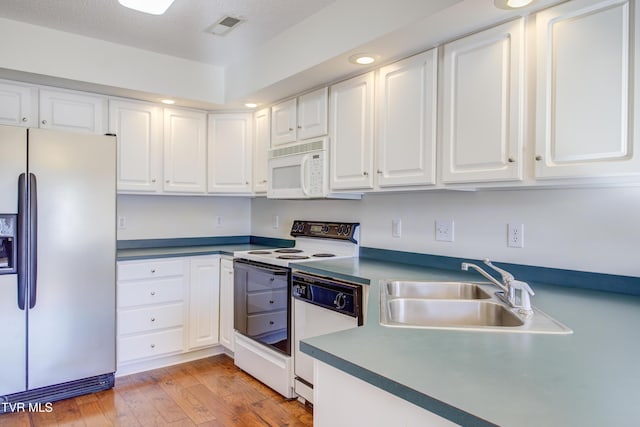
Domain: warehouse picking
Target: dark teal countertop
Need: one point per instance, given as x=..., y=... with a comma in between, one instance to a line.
x=170, y=252
x=588, y=378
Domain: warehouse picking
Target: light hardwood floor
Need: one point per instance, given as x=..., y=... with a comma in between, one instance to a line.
x=211, y=392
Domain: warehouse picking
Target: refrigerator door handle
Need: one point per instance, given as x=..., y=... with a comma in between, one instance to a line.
x=22, y=241
x=33, y=239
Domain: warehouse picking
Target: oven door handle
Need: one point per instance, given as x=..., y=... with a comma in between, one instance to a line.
x=275, y=270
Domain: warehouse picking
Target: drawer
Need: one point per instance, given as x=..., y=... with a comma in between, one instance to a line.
x=152, y=292
x=149, y=269
x=259, y=280
x=259, y=324
x=149, y=345
x=266, y=301
x=150, y=318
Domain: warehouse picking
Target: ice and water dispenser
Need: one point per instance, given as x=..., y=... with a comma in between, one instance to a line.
x=8, y=247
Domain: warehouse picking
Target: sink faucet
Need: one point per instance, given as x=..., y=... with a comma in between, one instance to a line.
x=516, y=293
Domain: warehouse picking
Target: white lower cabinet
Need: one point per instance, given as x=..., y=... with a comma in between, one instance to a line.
x=341, y=399
x=226, y=303
x=204, y=301
x=167, y=311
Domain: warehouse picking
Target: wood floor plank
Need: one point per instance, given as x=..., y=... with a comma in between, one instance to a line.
x=211, y=392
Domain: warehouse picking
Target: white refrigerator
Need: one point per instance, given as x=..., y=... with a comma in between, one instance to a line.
x=57, y=264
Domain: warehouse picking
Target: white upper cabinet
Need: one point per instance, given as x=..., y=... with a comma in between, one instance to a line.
x=312, y=114
x=230, y=142
x=18, y=104
x=261, y=141
x=185, y=151
x=299, y=118
x=284, y=122
x=407, y=111
x=138, y=127
x=73, y=111
x=482, y=115
x=351, y=133
x=587, y=90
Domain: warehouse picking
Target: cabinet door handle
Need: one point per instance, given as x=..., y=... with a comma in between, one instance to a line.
x=153, y=293
x=365, y=173
x=153, y=346
x=24, y=119
x=246, y=183
x=264, y=181
x=538, y=157
x=44, y=122
x=167, y=181
x=153, y=270
x=153, y=319
x=153, y=181
x=271, y=322
x=511, y=160
x=270, y=301
x=299, y=127
x=379, y=172
x=290, y=129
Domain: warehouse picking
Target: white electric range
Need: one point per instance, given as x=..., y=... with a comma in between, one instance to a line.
x=271, y=315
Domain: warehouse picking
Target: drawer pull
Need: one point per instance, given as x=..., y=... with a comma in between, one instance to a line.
x=153, y=293
x=153, y=346
x=271, y=301
x=271, y=322
x=153, y=271
x=153, y=319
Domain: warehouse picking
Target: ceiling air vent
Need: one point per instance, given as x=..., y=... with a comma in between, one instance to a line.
x=224, y=25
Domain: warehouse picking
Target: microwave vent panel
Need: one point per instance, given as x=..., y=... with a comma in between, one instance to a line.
x=297, y=149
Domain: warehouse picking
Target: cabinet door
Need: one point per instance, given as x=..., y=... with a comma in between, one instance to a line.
x=185, y=149
x=482, y=133
x=73, y=111
x=138, y=127
x=587, y=90
x=229, y=153
x=262, y=139
x=18, y=105
x=312, y=114
x=407, y=108
x=351, y=133
x=204, y=297
x=284, y=122
x=226, y=303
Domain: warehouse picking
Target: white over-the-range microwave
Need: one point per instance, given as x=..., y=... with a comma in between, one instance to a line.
x=301, y=171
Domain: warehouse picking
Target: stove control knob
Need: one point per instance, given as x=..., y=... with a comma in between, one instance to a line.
x=340, y=301
x=325, y=229
x=340, y=229
x=347, y=229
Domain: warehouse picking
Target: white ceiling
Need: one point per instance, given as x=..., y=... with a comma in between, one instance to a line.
x=179, y=32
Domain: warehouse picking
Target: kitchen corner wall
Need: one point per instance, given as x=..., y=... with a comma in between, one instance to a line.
x=596, y=230
x=158, y=217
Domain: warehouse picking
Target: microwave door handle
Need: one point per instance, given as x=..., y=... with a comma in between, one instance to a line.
x=303, y=174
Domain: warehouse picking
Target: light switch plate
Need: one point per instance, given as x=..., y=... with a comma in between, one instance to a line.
x=396, y=227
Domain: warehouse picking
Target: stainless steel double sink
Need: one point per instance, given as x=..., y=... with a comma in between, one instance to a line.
x=457, y=305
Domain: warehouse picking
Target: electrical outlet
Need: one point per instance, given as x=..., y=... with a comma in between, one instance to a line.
x=444, y=230
x=396, y=227
x=275, y=221
x=515, y=235
x=218, y=221
x=122, y=222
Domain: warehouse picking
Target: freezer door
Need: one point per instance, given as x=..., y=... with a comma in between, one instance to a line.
x=13, y=162
x=72, y=322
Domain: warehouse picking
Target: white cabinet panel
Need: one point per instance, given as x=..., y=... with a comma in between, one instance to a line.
x=261, y=143
x=312, y=114
x=226, y=304
x=18, y=104
x=284, y=122
x=351, y=133
x=204, y=301
x=138, y=127
x=185, y=149
x=483, y=94
x=587, y=88
x=73, y=111
x=229, y=153
x=407, y=111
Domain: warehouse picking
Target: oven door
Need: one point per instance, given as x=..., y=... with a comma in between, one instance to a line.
x=262, y=303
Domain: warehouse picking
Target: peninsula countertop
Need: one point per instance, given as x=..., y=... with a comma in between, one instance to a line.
x=588, y=378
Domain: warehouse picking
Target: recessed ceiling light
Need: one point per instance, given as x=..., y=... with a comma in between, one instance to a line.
x=153, y=7
x=251, y=105
x=168, y=101
x=362, y=59
x=511, y=4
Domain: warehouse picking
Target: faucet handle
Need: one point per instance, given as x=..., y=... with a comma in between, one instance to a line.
x=506, y=276
x=521, y=294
